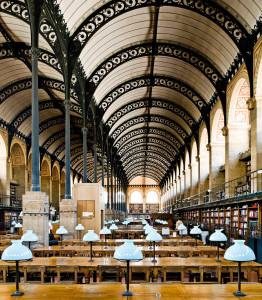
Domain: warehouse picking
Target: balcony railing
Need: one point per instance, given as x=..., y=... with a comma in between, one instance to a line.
x=247, y=185
x=6, y=200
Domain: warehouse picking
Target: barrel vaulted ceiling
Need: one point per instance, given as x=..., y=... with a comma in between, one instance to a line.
x=152, y=69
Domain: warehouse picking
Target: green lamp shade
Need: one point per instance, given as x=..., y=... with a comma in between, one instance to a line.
x=154, y=237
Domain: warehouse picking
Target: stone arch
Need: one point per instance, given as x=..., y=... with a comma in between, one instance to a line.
x=217, y=155
x=55, y=188
x=256, y=112
x=194, y=168
x=45, y=181
x=29, y=171
x=204, y=159
x=238, y=135
x=62, y=185
x=3, y=163
x=187, y=174
x=152, y=201
x=19, y=171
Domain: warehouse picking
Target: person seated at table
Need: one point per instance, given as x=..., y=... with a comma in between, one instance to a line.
x=52, y=240
x=178, y=223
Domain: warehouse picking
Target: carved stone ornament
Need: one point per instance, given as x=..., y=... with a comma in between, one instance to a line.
x=84, y=130
x=251, y=103
x=224, y=131
x=208, y=147
x=197, y=158
x=189, y=166
x=184, y=172
x=34, y=53
x=67, y=104
x=178, y=177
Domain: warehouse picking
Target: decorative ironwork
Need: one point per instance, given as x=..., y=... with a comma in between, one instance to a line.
x=113, y=9
x=162, y=49
x=141, y=160
x=15, y=88
x=142, y=119
x=144, y=147
x=145, y=81
x=175, y=144
x=146, y=154
x=178, y=110
x=15, y=8
x=27, y=112
x=58, y=135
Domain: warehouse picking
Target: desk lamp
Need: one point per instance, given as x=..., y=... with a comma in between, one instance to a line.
x=181, y=227
x=239, y=252
x=91, y=236
x=128, y=252
x=218, y=236
x=15, y=253
x=196, y=231
x=105, y=231
x=78, y=229
x=29, y=237
x=61, y=231
x=154, y=237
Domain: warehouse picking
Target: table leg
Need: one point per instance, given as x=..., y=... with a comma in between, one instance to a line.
x=58, y=273
x=76, y=269
x=42, y=274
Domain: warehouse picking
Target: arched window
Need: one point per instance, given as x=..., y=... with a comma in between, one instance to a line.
x=152, y=197
x=136, y=198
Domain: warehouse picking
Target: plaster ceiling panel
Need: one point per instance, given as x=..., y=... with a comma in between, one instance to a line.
x=139, y=180
x=172, y=116
x=247, y=12
x=177, y=98
x=62, y=154
x=49, y=132
x=58, y=143
x=137, y=126
x=131, y=27
x=129, y=116
x=180, y=70
x=196, y=31
x=132, y=69
x=18, y=102
x=12, y=70
x=19, y=31
x=49, y=72
x=126, y=98
x=61, y=96
x=26, y=126
x=77, y=10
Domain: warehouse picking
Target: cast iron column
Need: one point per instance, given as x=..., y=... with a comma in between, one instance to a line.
x=84, y=130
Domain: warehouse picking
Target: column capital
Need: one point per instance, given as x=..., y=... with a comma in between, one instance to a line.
x=34, y=52
x=84, y=130
x=197, y=158
x=224, y=131
x=189, y=166
x=208, y=147
x=67, y=104
x=251, y=103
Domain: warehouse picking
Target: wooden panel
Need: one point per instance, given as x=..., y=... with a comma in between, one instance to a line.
x=85, y=206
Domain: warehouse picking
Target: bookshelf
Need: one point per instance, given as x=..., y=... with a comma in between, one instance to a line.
x=240, y=219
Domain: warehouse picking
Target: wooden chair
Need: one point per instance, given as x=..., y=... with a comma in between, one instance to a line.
x=85, y=253
x=68, y=253
x=106, y=273
x=185, y=253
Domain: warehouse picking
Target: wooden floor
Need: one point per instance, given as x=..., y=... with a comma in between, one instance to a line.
x=140, y=291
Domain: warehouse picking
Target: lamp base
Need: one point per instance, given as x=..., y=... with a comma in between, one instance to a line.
x=17, y=293
x=239, y=294
x=154, y=260
x=218, y=260
x=127, y=293
x=90, y=260
x=105, y=247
